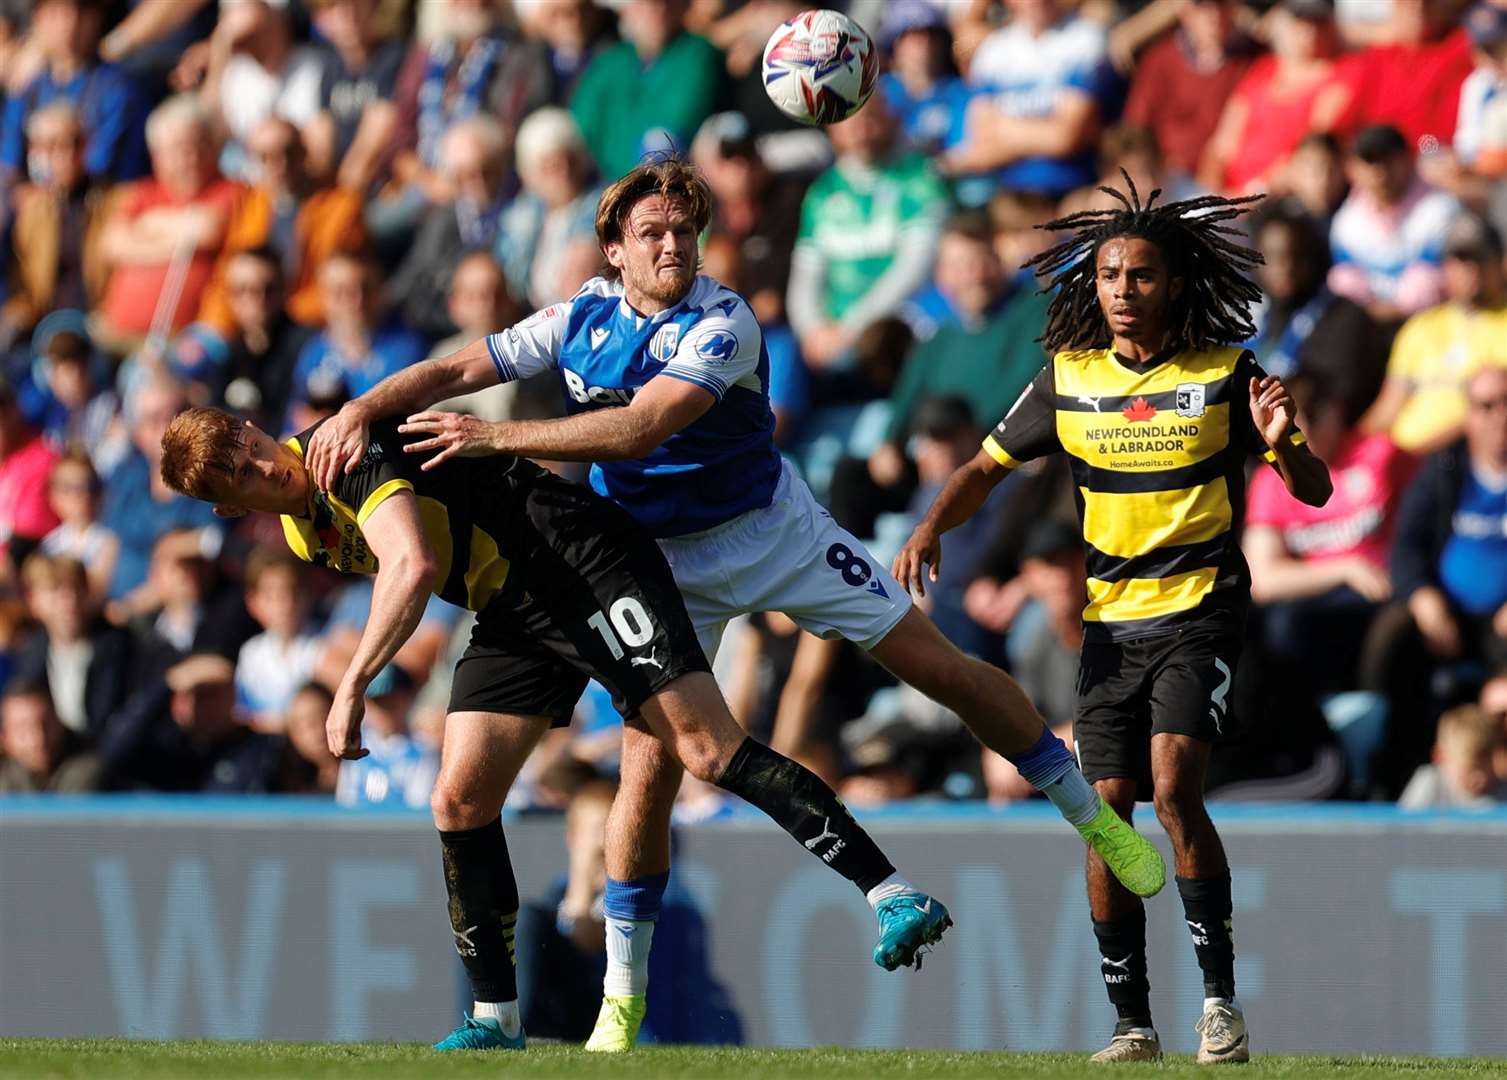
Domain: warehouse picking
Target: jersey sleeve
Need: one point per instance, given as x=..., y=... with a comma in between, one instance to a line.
x=1029, y=429
x=378, y=477
x=1242, y=424
x=531, y=346
x=720, y=350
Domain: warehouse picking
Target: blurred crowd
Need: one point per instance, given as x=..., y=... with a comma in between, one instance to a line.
x=271, y=205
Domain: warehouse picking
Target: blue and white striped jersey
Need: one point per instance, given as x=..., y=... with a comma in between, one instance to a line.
x=725, y=463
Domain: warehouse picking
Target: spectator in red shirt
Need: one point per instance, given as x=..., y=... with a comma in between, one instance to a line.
x=25, y=463
x=1320, y=572
x=1413, y=82
x=1300, y=88
x=1181, y=84
x=177, y=218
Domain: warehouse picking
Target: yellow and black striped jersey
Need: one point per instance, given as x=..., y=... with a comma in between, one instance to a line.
x=468, y=508
x=1158, y=453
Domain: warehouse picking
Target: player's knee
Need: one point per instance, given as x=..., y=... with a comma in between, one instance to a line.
x=703, y=757
x=1176, y=807
x=455, y=810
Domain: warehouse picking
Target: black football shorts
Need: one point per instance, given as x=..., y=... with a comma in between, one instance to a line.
x=591, y=598
x=1129, y=691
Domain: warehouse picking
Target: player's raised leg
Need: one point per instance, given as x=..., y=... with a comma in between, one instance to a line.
x=796, y=559
x=1000, y=714
x=480, y=759
x=638, y=872
x=1178, y=765
x=691, y=716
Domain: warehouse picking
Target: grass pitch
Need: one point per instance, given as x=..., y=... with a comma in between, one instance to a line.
x=96, y=1058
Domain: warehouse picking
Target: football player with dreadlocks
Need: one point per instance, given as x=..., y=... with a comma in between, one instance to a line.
x=1157, y=413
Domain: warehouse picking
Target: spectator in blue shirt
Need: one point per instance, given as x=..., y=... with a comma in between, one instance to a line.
x=138, y=506
x=112, y=106
x=1046, y=88
x=922, y=86
x=1449, y=569
x=357, y=348
x=398, y=769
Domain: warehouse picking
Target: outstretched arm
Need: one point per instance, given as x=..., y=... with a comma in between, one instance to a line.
x=406, y=569
x=959, y=499
x=664, y=406
x=341, y=440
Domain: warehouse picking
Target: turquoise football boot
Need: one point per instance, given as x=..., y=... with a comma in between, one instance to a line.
x=908, y=924
x=483, y=1034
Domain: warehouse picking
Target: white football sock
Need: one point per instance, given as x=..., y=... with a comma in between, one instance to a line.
x=504, y=1012
x=1074, y=797
x=894, y=885
x=628, y=942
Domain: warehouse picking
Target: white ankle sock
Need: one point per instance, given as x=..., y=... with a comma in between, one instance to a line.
x=628, y=942
x=504, y=1012
x=1074, y=797
x=894, y=885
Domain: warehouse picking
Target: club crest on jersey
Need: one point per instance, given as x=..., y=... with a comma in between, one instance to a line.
x=718, y=347
x=662, y=344
x=1190, y=399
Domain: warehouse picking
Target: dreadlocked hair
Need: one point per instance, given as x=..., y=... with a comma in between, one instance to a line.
x=1214, y=308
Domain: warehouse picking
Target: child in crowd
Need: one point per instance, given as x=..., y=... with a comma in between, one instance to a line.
x=274, y=664
x=311, y=768
x=73, y=492
x=67, y=395
x=1460, y=775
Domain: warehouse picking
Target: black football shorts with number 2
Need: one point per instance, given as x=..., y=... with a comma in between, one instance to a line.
x=1177, y=683
x=591, y=598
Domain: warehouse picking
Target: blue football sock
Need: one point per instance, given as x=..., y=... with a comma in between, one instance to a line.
x=632, y=908
x=1049, y=767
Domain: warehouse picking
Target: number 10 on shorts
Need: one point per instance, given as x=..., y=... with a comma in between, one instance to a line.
x=630, y=625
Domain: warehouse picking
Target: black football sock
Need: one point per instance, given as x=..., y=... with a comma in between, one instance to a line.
x=483, y=908
x=808, y=810
x=1207, y=907
x=1122, y=949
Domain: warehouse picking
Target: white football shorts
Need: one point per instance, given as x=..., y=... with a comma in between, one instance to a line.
x=789, y=557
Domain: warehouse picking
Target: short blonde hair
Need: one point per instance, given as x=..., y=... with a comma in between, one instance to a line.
x=198, y=452
x=1471, y=727
x=42, y=571
x=671, y=177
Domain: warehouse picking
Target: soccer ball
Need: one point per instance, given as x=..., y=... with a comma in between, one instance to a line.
x=820, y=67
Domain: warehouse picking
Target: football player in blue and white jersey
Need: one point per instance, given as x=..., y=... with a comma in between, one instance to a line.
x=665, y=379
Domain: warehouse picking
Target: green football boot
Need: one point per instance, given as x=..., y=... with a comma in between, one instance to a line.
x=617, y=1024
x=1128, y=854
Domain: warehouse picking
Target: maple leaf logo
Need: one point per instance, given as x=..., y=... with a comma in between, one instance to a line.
x=1139, y=409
